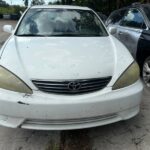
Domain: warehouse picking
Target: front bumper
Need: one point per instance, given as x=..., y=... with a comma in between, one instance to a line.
x=56, y=112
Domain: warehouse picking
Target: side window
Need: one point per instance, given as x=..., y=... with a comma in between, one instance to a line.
x=115, y=17
x=133, y=19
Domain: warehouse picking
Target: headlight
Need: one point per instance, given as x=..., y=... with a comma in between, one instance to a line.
x=130, y=76
x=11, y=82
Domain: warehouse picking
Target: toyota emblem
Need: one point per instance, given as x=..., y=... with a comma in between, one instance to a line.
x=74, y=86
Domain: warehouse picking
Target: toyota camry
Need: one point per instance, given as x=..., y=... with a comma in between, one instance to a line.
x=61, y=69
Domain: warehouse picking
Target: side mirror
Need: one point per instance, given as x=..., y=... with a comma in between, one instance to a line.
x=112, y=30
x=7, y=28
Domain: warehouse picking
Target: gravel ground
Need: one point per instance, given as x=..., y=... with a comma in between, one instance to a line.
x=133, y=134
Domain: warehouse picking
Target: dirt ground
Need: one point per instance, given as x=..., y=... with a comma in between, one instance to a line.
x=133, y=134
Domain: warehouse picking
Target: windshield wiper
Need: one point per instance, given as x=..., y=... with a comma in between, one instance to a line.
x=75, y=35
x=65, y=34
x=60, y=35
x=38, y=35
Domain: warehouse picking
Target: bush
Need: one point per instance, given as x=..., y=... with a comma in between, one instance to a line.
x=6, y=10
x=11, y=10
x=17, y=9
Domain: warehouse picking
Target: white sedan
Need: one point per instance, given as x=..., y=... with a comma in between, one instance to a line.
x=60, y=69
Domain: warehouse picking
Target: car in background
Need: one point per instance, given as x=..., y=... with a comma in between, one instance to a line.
x=62, y=70
x=133, y=30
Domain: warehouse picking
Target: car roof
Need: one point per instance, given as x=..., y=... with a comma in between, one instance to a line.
x=135, y=5
x=60, y=7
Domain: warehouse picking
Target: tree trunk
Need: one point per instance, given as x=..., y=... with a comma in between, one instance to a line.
x=68, y=2
x=118, y=4
x=26, y=2
x=63, y=2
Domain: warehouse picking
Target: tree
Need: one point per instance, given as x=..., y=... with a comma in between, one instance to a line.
x=54, y=3
x=66, y=2
x=26, y=2
x=63, y=2
x=3, y=3
x=120, y=3
x=104, y=6
x=37, y=2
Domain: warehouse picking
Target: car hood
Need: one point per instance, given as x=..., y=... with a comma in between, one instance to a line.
x=61, y=58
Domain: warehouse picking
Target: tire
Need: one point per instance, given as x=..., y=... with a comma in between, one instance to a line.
x=146, y=72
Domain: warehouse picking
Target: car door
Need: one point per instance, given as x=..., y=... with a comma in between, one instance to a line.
x=114, y=19
x=130, y=29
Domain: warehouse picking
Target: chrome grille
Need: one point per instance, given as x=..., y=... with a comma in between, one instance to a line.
x=81, y=86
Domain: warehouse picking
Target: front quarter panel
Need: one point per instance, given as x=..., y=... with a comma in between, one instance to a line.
x=10, y=60
x=123, y=59
x=143, y=49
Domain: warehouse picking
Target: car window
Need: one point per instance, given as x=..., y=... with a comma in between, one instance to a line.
x=147, y=11
x=133, y=19
x=115, y=17
x=61, y=22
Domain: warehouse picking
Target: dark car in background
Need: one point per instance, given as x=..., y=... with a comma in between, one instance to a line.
x=132, y=28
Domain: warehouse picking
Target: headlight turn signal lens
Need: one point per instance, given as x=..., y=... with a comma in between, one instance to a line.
x=130, y=76
x=11, y=82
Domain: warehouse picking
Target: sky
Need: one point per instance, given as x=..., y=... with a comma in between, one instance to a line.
x=20, y=2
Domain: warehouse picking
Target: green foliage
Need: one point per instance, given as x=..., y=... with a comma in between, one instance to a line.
x=37, y=2
x=3, y=3
x=11, y=10
x=55, y=3
x=6, y=10
x=26, y=2
x=105, y=6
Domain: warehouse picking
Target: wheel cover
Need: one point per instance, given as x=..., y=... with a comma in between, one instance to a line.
x=146, y=73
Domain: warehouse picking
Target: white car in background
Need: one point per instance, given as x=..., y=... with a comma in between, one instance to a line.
x=60, y=69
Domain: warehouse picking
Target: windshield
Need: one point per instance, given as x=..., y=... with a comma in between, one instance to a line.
x=60, y=22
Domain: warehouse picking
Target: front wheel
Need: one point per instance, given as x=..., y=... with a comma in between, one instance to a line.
x=146, y=72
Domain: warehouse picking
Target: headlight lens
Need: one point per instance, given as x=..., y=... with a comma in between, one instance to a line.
x=130, y=76
x=11, y=82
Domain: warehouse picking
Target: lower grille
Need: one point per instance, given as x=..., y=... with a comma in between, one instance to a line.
x=71, y=121
x=71, y=87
